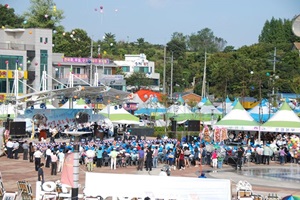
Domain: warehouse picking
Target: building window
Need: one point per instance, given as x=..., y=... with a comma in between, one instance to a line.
x=141, y=69
x=11, y=62
x=108, y=71
x=41, y=40
x=76, y=70
x=126, y=68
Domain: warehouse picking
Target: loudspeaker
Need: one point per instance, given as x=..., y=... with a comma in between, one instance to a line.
x=194, y=125
x=6, y=123
x=173, y=125
x=17, y=128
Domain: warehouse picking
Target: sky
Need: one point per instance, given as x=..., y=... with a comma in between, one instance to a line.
x=239, y=22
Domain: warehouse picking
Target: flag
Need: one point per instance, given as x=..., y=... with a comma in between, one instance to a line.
x=67, y=172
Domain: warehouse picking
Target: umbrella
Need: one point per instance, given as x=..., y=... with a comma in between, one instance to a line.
x=291, y=197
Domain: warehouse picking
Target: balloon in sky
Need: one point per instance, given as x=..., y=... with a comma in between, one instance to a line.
x=96, y=9
x=54, y=8
x=6, y=6
x=116, y=10
x=24, y=22
x=46, y=16
x=101, y=9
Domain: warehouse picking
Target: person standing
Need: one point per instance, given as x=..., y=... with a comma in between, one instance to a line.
x=37, y=159
x=214, y=157
x=240, y=155
x=25, y=147
x=31, y=151
x=268, y=152
x=282, y=155
x=16, y=149
x=48, y=157
x=113, y=159
x=149, y=157
x=54, y=163
x=61, y=159
x=155, y=156
x=41, y=173
x=141, y=154
x=99, y=157
x=181, y=159
x=9, y=147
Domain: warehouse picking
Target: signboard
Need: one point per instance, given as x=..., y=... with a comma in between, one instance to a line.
x=58, y=116
x=11, y=74
x=86, y=60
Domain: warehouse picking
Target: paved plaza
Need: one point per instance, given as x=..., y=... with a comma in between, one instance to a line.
x=14, y=170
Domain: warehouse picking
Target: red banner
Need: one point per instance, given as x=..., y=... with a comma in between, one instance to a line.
x=67, y=172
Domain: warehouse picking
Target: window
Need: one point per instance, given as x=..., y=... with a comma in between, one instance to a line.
x=77, y=70
x=46, y=40
x=126, y=68
x=11, y=61
x=41, y=40
x=107, y=71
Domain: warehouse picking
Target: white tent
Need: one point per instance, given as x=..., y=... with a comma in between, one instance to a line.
x=261, y=112
x=208, y=108
x=118, y=115
x=7, y=109
x=179, y=109
x=238, y=119
x=202, y=102
x=284, y=120
x=225, y=107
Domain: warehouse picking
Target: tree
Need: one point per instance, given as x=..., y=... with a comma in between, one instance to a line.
x=138, y=79
x=277, y=31
x=43, y=14
x=75, y=43
x=205, y=40
x=8, y=18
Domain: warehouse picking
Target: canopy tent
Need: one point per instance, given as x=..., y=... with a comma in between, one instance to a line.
x=208, y=111
x=202, y=102
x=181, y=112
x=143, y=97
x=118, y=115
x=153, y=107
x=284, y=120
x=262, y=112
x=101, y=120
x=225, y=107
x=7, y=109
x=238, y=119
x=78, y=104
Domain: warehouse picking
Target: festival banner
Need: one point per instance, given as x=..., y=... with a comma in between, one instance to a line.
x=67, y=172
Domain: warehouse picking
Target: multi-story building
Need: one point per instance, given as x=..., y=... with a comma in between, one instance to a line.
x=139, y=63
x=30, y=52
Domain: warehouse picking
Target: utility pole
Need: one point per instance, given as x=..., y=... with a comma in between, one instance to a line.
x=274, y=76
x=91, y=66
x=203, y=93
x=171, y=86
x=164, y=78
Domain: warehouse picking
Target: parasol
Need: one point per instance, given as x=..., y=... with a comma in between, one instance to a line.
x=291, y=197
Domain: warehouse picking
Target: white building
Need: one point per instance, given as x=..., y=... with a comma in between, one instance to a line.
x=139, y=63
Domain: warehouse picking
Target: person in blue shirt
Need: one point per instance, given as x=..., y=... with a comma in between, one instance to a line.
x=99, y=157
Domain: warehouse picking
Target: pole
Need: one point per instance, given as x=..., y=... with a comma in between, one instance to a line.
x=164, y=78
x=274, y=69
x=7, y=80
x=75, y=170
x=171, y=86
x=203, y=94
x=91, y=66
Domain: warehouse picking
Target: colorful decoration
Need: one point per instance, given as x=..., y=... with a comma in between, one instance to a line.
x=206, y=134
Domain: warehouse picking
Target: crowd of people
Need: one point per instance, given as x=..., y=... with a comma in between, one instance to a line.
x=147, y=154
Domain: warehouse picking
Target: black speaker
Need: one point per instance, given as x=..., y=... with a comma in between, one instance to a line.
x=173, y=125
x=194, y=125
x=17, y=128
